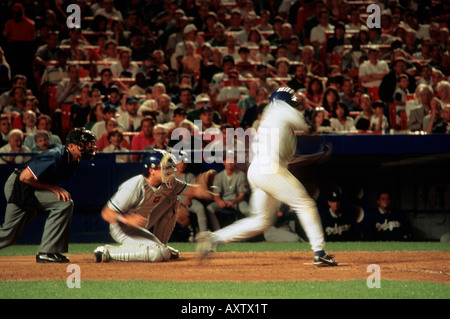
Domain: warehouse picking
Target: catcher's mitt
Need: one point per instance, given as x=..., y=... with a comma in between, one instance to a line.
x=183, y=216
x=206, y=179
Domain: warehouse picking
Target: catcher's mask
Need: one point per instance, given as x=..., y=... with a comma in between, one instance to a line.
x=85, y=140
x=288, y=95
x=159, y=159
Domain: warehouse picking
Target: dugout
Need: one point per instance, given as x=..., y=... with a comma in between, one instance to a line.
x=414, y=168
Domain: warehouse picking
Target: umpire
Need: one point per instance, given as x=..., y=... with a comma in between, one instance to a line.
x=35, y=186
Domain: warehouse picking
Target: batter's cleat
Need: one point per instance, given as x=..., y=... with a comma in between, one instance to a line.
x=206, y=244
x=101, y=254
x=325, y=260
x=44, y=258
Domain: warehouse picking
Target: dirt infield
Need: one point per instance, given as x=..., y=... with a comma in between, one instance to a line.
x=240, y=267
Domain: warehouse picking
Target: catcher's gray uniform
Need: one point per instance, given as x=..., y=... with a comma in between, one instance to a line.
x=229, y=187
x=158, y=205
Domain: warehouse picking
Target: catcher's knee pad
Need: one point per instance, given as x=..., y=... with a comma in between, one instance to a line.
x=158, y=253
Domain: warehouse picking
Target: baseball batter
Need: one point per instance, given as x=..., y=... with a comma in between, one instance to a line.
x=149, y=200
x=271, y=183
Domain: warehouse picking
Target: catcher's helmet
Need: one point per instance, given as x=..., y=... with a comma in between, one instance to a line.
x=286, y=94
x=85, y=140
x=165, y=161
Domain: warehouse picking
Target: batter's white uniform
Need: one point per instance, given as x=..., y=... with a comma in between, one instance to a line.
x=271, y=182
x=158, y=205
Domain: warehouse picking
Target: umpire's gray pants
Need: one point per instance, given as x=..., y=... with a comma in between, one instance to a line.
x=55, y=238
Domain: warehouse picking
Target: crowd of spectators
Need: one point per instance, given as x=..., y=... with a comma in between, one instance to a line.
x=134, y=71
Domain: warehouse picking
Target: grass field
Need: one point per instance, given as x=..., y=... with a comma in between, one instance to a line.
x=353, y=289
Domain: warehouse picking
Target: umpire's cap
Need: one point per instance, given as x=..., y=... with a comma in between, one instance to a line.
x=85, y=140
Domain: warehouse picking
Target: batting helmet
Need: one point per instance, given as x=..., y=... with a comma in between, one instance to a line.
x=85, y=140
x=286, y=94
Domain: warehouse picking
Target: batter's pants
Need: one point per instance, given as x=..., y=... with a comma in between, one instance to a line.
x=268, y=191
x=55, y=238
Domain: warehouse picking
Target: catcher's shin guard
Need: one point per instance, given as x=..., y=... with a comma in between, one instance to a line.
x=139, y=252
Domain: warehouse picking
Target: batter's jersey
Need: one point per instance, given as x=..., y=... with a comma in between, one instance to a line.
x=136, y=195
x=276, y=139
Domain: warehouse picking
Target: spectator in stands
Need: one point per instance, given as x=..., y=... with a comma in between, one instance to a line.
x=341, y=121
x=319, y=121
x=318, y=37
x=160, y=137
x=242, y=36
x=379, y=122
x=53, y=74
x=29, y=120
x=354, y=22
x=232, y=188
x=313, y=66
x=389, y=224
x=186, y=98
x=335, y=43
x=191, y=62
x=389, y=81
x=338, y=224
x=347, y=94
x=47, y=52
x=5, y=128
x=206, y=118
x=15, y=145
x=145, y=136
x=104, y=139
x=44, y=123
x=99, y=128
x=109, y=11
x=200, y=101
x=372, y=72
x=426, y=73
x=219, y=36
x=130, y=121
x=105, y=83
x=125, y=67
x=232, y=93
x=67, y=90
x=113, y=98
x=314, y=92
x=330, y=99
x=362, y=121
x=444, y=126
x=165, y=109
x=298, y=81
x=264, y=21
x=228, y=63
x=115, y=140
x=276, y=37
x=352, y=59
x=42, y=142
x=251, y=113
x=20, y=33
x=179, y=114
x=424, y=94
x=6, y=98
x=17, y=100
x=264, y=54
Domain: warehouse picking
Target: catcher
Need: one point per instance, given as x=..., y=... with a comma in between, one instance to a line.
x=148, y=200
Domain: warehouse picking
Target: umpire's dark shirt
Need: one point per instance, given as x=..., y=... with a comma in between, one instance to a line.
x=53, y=166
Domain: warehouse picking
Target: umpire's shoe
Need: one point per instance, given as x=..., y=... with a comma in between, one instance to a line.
x=51, y=258
x=325, y=260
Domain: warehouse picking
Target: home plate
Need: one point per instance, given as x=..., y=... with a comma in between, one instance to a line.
x=338, y=264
